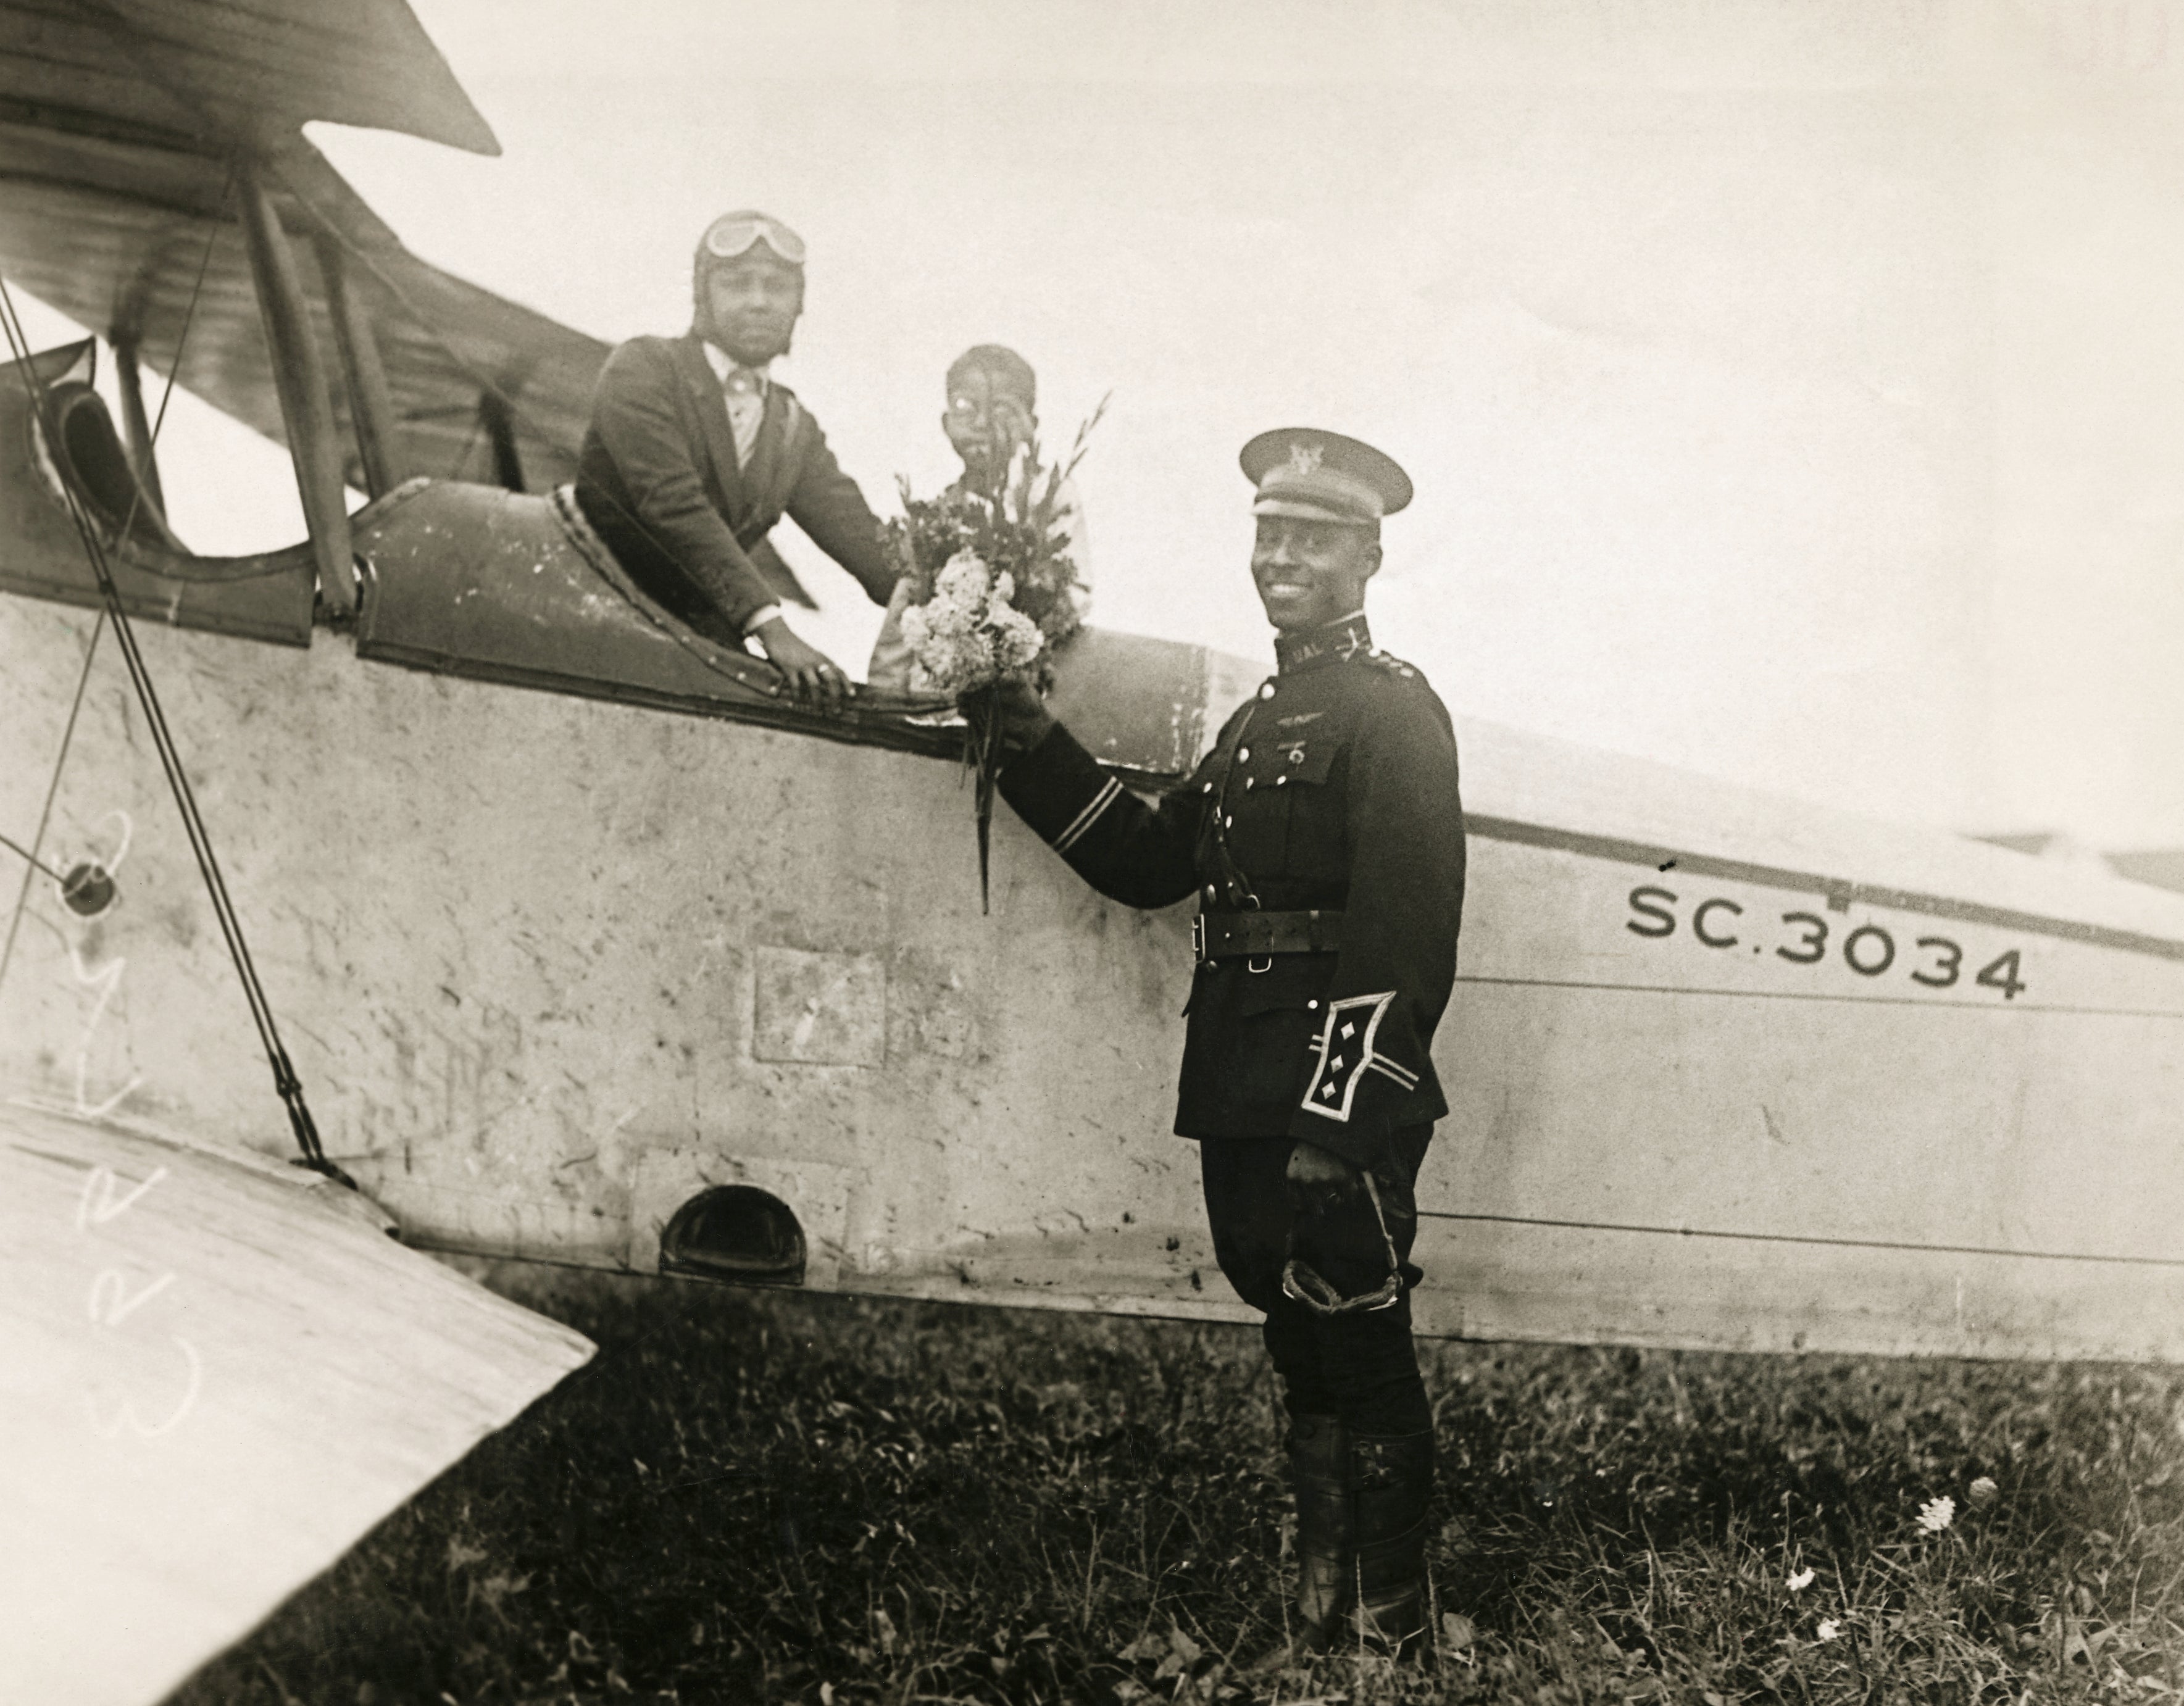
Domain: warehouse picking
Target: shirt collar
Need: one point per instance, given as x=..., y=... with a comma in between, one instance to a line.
x=723, y=364
x=1338, y=642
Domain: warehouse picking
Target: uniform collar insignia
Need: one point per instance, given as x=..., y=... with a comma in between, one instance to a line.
x=1315, y=647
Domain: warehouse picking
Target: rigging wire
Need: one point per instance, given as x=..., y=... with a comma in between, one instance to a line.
x=29, y=858
x=285, y=1084
x=52, y=793
x=182, y=339
x=98, y=627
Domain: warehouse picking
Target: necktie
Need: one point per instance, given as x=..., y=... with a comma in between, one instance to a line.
x=745, y=394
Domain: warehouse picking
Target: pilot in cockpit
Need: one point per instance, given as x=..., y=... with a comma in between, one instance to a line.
x=694, y=452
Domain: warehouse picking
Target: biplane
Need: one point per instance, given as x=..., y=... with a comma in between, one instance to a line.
x=591, y=947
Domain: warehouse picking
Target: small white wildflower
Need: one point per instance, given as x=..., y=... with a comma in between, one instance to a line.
x=1800, y=1581
x=1982, y=1491
x=1828, y=1630
x=1937, y=1514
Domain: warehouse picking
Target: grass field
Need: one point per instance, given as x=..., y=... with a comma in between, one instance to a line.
x=753, y=1497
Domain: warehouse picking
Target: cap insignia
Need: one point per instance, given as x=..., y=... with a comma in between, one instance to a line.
x=1305, y=458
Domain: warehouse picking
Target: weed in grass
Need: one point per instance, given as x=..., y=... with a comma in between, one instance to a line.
x=760, y=1497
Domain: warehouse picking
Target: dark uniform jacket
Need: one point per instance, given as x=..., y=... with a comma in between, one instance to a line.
x=659, y=480
x=1335, y=787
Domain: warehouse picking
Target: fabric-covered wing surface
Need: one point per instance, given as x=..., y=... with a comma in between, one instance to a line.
x=240, y=69
x=216, y=1373
x=117, y=126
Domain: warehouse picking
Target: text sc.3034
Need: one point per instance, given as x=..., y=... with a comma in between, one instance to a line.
x=1807, y=939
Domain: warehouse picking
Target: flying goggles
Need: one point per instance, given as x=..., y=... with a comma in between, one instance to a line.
x=735, y=234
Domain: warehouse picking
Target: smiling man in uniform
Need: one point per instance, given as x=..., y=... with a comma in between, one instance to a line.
x=694, y=452
x=1323, y=840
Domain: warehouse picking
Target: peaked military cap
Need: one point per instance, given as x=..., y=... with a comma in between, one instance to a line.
x=1323, y=477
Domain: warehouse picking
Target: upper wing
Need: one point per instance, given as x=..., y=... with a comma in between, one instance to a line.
x=118, y=122
x=238, y=69
x=216, y=1373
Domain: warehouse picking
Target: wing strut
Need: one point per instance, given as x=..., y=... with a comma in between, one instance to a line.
x=137, y=424
x=299, y=375
x=371, y=404
x=497, y=414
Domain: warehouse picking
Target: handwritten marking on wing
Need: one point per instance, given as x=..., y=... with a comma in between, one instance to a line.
x=126, y=1416
x=111, y=1288
x=128, y=835
x=106, y=979
x=111, y=1302
x=102, y=1183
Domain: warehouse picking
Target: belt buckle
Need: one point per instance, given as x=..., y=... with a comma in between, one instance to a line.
x=1198, y=938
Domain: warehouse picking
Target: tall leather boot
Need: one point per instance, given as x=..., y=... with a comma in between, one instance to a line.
x=1327, y=1562
x=1319, y=1472
x=1392, y=1475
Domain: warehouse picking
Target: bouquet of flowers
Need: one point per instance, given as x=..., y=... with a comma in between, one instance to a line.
x=993, y=591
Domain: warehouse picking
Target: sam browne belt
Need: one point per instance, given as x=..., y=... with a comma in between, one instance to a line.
x=1253, y=935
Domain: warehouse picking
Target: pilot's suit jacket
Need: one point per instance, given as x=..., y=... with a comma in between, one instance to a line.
x=659, y=480
x=1333, y=787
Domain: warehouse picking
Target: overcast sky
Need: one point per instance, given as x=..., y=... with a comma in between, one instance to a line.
x=1790, y=388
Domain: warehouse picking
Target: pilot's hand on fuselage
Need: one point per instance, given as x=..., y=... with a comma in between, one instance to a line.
x=813, y=677
x=1025, y=718
x=1320, y=1181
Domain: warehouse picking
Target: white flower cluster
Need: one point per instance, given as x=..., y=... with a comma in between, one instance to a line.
x=968, y=634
